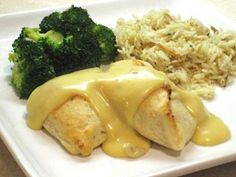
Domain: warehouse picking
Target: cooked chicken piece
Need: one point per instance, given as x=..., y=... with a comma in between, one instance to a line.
x=163, y=116
x=76, y=126
x=165, y=120
x=160, y=118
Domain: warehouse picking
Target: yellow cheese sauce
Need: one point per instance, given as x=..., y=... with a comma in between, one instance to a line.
x=115, y=95
x=211, y=131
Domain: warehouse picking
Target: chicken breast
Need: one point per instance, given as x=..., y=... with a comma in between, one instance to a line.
x=76, y=126
x=160, y=118
x=122, y=108
x=165, y=120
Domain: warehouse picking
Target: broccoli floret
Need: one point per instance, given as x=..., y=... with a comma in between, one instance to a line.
x=107, y=42
x=71, y=21
x=85, y=44
x=51, y=22
x=76, y=20
x=52, y=41
x=77, y=51
x=31, y=65
x=32, y=34
x=64, y=42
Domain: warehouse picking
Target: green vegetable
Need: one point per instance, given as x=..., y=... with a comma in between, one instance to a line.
x=31, y=65
x=68, y=22
x=106, y=40
x=77, y=51
x=64, y=42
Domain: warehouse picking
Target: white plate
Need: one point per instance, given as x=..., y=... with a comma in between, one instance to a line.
x=40, y=155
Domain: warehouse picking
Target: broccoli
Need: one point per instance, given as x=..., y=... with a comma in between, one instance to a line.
x=64, y=42
x=78, y=51
x=52, y=40
x=31, y=65
x=85, y=44
x=68, y=22
x=107, y=42
x=51, y=22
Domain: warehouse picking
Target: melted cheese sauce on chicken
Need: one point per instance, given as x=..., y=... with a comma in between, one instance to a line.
x=115, y=95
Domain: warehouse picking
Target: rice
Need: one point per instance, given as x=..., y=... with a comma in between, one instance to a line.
x=193, y=56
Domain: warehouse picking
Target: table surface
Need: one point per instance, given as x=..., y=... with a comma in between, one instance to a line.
x=9, y=167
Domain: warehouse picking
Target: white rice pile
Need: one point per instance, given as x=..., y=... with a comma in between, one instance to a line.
x=193, y=56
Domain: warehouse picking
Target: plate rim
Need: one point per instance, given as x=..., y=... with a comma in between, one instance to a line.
x=24, y=164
